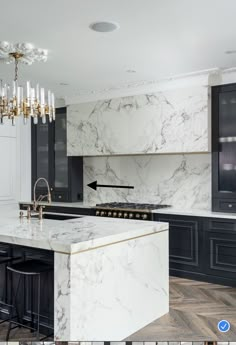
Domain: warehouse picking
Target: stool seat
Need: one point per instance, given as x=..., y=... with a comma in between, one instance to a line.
x=30, y=267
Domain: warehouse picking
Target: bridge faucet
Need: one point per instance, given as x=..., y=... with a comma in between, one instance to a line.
x=41, y=197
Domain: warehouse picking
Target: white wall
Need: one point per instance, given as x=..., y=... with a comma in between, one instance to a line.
x=15, y=168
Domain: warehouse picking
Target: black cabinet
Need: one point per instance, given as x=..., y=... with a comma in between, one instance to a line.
x=185, y=238
x=221, y=254
x=49, y=160
x=220, y=247
x=224, y=148
x=202, y=248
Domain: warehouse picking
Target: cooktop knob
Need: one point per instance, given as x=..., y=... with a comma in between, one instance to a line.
x=97, y=213
x=137, y=216
x=125, y=215
x=144, y=216
x=103, y=213
x=120, y=214
x=109, y=214
x=131, y=215
x=114, y=214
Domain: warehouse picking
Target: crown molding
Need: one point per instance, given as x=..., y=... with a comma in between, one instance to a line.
x=203, y=78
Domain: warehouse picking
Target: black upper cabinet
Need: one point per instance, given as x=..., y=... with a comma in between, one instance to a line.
x=49, y=160
x=224, y=148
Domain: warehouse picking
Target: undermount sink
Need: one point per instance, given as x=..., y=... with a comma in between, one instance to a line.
x=59, y=216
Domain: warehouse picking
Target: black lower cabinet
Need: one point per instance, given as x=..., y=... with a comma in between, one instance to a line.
x=185, y=238
x=27, y=296
x=202, y=249
x=221, y=253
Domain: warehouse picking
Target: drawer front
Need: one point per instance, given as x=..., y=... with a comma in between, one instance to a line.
x=224, y=205
x=221, y=255
x=184, y=244
x=227, y=206
x=60, y=196
x=222, y=225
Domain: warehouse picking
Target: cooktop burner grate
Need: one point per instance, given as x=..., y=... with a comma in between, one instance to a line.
x=131, y=205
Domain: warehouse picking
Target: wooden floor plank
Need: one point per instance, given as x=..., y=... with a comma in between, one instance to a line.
x=195, y=310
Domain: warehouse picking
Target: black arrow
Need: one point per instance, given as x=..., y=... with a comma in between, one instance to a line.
x=94, y=185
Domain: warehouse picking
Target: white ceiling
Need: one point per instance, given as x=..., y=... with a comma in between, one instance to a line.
x=157, y=38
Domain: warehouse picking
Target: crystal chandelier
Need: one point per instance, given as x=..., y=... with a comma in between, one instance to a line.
x=32, y=102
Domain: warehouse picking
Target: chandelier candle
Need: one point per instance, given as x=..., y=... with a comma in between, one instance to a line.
x=13, y=104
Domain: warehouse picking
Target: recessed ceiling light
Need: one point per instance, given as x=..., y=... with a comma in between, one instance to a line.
x=130, y=71
x=104, y=26
x=230, y=52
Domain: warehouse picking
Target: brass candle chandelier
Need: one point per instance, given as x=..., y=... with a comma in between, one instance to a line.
x=31, y=102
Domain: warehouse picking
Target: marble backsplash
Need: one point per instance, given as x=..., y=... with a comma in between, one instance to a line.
x=183, y=181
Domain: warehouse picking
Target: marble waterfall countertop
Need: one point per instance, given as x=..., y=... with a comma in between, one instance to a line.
x=72, y=236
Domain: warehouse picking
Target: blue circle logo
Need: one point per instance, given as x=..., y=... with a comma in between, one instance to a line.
x=223, y=326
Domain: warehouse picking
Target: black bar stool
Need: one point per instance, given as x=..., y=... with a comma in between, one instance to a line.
x=6, y=258
x=31, y=269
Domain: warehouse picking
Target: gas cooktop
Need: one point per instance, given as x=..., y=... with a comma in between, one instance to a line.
x=131, y=206
x=130, y=210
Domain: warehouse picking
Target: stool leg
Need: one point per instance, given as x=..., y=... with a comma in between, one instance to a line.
x=38, y=307
x=4, y=292
x=5, y=287
x=12, y=308
x=31, y=281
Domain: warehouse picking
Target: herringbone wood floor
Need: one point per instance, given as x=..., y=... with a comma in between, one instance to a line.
x=195, y=309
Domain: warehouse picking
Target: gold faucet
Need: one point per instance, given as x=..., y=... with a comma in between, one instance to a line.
x=41, y=197
x=37, y=201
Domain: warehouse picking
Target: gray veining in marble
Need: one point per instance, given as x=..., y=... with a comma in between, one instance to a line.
x=163, y=122
x=183, y=181
x=97, y=290
x=72, y=236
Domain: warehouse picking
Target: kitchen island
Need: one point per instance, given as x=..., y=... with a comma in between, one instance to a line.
x=110, y=275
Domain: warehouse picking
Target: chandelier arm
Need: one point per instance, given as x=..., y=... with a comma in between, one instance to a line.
x=16, y=68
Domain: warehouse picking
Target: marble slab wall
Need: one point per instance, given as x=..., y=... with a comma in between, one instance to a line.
x=183, y=181
x=171, y=121
x=96, y=290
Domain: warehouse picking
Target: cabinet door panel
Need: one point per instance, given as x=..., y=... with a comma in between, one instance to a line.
x=221, y=255
x=224, y=148
x=60, y=154
x=49, y=160
x=184, y=244
x=42, y=152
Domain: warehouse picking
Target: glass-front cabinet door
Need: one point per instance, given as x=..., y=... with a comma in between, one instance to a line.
x=224, y=148
x=49, y=160
x=60, y=158
x=227, y=141
x=41, y=152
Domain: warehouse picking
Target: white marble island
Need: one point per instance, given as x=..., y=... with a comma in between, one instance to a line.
x=111, y=275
